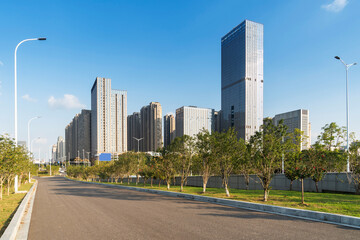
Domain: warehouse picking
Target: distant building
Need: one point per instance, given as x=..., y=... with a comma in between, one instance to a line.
x=151, y=127
x=78, y=135
x=53, y=153
x=134, y=130
x=242, y=78
x=299, y=119
x=191, y=120
x=108, y=118
x=217, y=121
x=60, y=150
x=169, y=129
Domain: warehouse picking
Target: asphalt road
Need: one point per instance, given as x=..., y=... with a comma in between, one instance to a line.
x=64, y=209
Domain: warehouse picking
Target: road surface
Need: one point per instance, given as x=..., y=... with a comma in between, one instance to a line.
x=65, y=209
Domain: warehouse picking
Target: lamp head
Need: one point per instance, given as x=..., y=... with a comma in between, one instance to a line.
x=41, y=39
x=338, y=58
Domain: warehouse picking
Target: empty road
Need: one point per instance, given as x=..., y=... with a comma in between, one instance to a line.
x=65, y=209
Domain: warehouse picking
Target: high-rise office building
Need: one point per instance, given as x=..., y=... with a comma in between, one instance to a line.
x=299, y=119
x=169, y=129
x=191, y=120
x=242, y=78
x=134, y=128
x=217, y=121
x=151, y=127
x=108, y=118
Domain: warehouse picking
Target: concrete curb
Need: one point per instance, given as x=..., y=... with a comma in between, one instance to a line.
x=337, y=219
x=12, y=230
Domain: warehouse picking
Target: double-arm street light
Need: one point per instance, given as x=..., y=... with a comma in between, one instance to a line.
x=15, y=78
x=347, y=66
x=138, y=140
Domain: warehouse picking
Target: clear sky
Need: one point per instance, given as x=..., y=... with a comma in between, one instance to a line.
x=169, y=51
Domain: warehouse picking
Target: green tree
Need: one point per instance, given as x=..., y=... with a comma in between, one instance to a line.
x=182, y=151
x=228, y=152
x=331, y=137
x=205, y=161
x=269, y=145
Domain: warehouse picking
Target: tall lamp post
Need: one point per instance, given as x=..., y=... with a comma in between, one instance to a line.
x=29, y=147
x=347, y=66
x=138, y=140
x=15, y=91
x=30, y=150
x=15, y=75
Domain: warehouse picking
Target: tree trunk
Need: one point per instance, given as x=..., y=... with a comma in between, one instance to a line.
x=181, y=187
x=137, y=179
x=247, y=180
x=144, y=181
x=204, y=187
x=291, y=183
x=357, y=192
x=174, y=181
x=266, y=194
x=317, y=187
x=159, y=182
x=128, y=180
x=1, y=190
x=168, y=185
x=8, y=188
x=227, y=190
x=151, y=182
x=302, y=191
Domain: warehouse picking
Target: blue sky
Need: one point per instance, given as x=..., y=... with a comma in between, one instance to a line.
x=169, y=51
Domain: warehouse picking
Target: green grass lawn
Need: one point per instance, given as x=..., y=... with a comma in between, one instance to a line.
x=345, y=204
x=9, y=204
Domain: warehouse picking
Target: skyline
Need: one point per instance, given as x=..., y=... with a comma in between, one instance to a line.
x=177, y=63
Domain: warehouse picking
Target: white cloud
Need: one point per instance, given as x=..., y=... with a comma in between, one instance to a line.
x=335, y=6
x=1, y=63
x=28, y=98
x=67, y=102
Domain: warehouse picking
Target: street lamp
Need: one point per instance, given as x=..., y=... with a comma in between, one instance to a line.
x=138, y=140
x=347, y=66
x=29, y=148
x=15, y=78
x=15, y=91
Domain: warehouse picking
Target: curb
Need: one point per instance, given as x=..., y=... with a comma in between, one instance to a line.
x=13, y=228
x=336, y=219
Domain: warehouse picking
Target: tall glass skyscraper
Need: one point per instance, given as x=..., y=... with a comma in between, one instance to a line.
x=242, y=56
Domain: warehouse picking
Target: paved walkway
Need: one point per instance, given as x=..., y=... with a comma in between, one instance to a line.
x=64, y=209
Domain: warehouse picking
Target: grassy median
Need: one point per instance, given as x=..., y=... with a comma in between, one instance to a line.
x=9, y=204
x=345, y=204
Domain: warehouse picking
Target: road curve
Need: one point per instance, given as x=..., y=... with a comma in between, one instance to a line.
x=65, y=209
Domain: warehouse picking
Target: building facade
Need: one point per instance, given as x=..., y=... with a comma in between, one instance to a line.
x=169, y=129
x=242, y=79
x=60, y=150
x=133, y=129
x=191, y=120
x=108, y=118
x=78, y=136
x=299, y=119
x=151, y=127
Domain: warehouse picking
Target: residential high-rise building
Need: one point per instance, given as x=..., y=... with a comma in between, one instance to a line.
x=299, y=119
x=151, y=127
x=108, y=118
x=78, y=136
x=169, y=129
x=242, y=78
x=60, y=150
x=134, y=131
x=118, y=121
x=191, y=120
